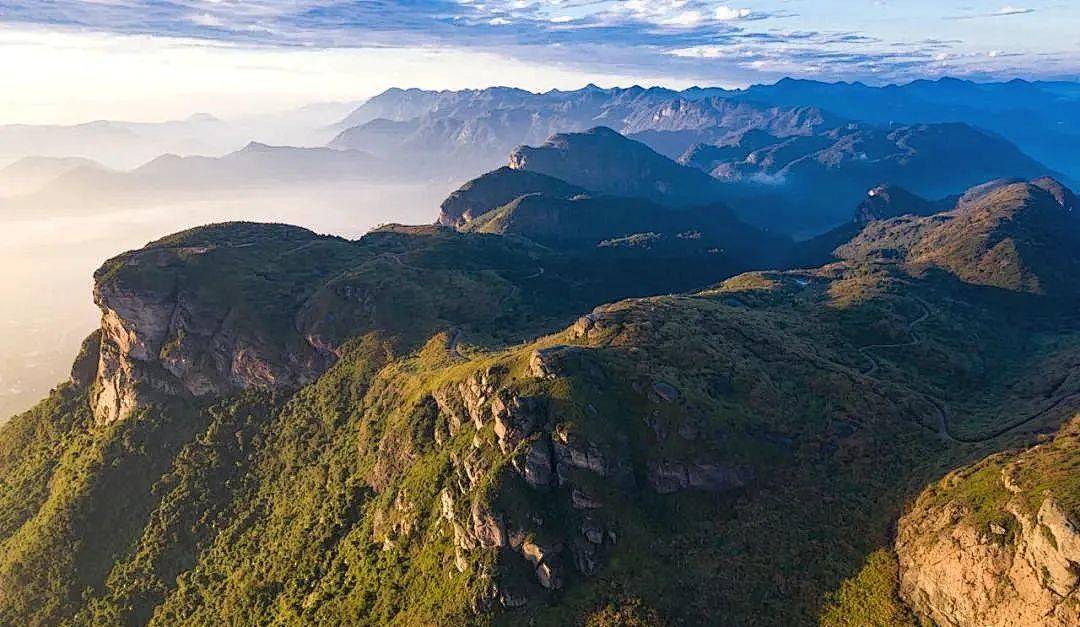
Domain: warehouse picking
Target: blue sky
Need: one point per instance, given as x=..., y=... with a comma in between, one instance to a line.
x=549, y=42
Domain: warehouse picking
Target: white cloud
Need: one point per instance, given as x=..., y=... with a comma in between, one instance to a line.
x=63, y=77
x=703, y=52
x=726, y=14
x=685, y=18
x=1011, y=10
x=206, y=19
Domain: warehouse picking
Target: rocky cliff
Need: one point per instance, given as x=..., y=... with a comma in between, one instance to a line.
x=174, y=326
x=998, y=543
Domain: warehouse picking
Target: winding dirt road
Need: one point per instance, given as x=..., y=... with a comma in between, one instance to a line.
x=944, y=430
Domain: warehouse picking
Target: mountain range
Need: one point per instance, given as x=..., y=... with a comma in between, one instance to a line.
x=776, y=157
x=1039, y=117
x=123, y=145
x=606, y=387
x=794, y=158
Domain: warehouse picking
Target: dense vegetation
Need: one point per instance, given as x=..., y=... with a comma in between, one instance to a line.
x=734, y=455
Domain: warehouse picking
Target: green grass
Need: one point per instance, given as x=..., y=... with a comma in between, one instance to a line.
x=871, y=598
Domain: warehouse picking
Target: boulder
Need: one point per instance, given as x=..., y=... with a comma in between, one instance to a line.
x=665, y=392
x=461, y=563
x=545, y=561
x=550, y=363
x=446, y=498
x=585, y=556
x=511, y=599
x=488, y=528
x=581, y=500
x=668, y=477
x=592, y=531
x=537, y=465
x=515, y=418
x=593, y=323
x=572, y=453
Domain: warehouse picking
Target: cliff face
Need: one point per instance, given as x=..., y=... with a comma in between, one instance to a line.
x=994, y=544
x=157, y=342
x=220, y=309
x=172, y=326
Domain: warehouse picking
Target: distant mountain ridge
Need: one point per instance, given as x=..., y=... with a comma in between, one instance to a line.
x=777, y=155
x=1040, y=117
x=600, y=194
x=32, y=174
x=123, y=145
x=478, y=123
x=254, y=165
x=819, y=177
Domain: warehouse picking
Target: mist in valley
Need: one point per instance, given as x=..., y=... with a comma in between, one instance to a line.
x=49, y=256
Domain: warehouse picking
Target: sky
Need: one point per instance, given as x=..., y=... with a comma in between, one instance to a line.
x=68, y=61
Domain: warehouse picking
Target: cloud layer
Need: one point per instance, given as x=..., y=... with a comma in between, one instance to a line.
x=718, y=41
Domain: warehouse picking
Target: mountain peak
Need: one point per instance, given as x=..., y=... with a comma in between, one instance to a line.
x=495, y=189
x=605, y=131
x=889, y=201
x=1015, y=236
x=605, y=161
x=1062, y=194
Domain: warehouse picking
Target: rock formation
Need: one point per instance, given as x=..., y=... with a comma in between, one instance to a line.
x=988, y=547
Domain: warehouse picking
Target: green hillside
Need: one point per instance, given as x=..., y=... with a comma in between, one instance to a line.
x=421, y=427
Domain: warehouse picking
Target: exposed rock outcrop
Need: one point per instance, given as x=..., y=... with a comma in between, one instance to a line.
x=545, y=559
x=961, y=576
x=548, y=363
x=515, y=418
x=670, y=477
x=85, y=368
x=173, y=326
x=994, y=546
x=536, y=465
